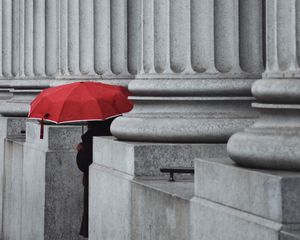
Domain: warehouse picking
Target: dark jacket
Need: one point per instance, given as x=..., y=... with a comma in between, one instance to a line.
x=85, y=156
x=84, y=159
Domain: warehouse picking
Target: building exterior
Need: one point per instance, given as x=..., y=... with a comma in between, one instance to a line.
x=202, y=72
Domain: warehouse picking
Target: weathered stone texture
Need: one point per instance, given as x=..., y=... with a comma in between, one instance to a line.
x=43, y=192
x=116, y=194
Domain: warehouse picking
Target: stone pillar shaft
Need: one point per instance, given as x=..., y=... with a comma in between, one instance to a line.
x=94, y=39
x=201, y=36
x=44, y=39
x=273, y=141
x=45, y=43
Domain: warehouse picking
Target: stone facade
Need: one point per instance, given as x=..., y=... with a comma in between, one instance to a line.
x=194, y=67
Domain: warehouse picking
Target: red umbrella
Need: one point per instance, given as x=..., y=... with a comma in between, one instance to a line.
x=80, y=101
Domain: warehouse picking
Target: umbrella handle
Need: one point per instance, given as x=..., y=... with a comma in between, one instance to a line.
x=42, y=125
x=42, y=129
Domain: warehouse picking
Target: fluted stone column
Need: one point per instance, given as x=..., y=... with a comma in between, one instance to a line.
x=46, y=43
x=67, y=39
x=198, y=59
x=94, y=39
x=274, y=140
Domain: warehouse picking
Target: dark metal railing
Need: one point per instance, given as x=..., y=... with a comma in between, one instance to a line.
x=180, y=170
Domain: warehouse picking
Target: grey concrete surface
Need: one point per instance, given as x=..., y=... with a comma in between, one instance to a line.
x=52, y=192
x=160, y=209
x=56, y=137
x=145, y=159
x=116, y=164
x=273, y=195
x=13, y=188
x=292, y=235
x=33, y=197
x=211, y=221
x=109, y=204
x=9, y=128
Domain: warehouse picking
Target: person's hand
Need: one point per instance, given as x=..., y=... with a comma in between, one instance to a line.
x=79, y=147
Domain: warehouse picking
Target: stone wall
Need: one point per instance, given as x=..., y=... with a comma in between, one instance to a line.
x=43, y=193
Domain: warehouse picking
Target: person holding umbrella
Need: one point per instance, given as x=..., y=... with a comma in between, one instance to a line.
x=93, y=102
x=84, y=159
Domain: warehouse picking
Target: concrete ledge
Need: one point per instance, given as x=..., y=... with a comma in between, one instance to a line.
x=56, y=137
x=273, y=195
x=211, y=221
x=145, y=159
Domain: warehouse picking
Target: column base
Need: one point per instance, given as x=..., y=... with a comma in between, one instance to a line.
x=184, y=108
x=5, y=94
x=282, y=90
x=184, y=119
x=19, y=104
x=273, y=142
x=192, y=85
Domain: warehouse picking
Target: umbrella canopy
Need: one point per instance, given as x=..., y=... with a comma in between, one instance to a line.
x=80, y=101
